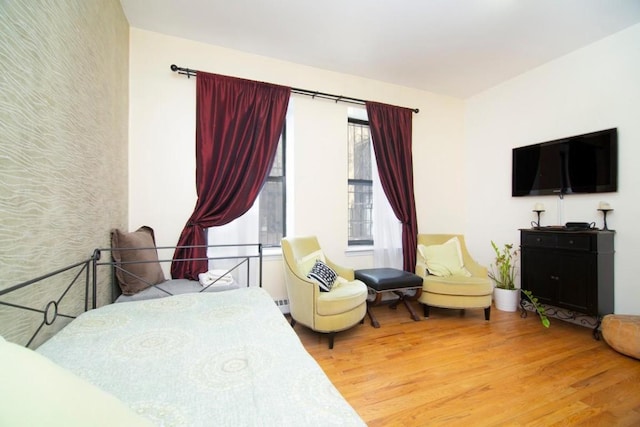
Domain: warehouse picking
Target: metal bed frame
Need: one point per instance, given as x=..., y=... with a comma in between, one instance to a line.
x=240, y=261
x=50, y=311
x=86, y=272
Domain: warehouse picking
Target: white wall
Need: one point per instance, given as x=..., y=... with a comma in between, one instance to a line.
x=162, y=132
x=594, y=88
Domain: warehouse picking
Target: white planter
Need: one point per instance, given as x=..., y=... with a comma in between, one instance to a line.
x=506, y=299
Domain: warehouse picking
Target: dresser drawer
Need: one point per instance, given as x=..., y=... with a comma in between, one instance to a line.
x=545, y=240
x=578, y=242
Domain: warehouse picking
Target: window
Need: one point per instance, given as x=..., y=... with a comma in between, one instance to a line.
x=273, y=200
x=360, y=184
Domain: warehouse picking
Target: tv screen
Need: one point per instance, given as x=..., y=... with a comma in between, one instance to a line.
x=579, y=164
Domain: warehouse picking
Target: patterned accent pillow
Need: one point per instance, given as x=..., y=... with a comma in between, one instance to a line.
x=324, y=275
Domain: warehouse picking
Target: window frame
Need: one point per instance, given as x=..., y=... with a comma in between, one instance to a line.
x=282, y=179
x=359, y=181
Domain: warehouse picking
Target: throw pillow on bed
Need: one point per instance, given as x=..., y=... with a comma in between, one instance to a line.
x=138, y=247
x=37, y=392
x=324, y=275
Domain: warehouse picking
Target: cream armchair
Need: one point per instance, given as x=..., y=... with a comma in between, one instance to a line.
x=344, y=306
x=468, y=287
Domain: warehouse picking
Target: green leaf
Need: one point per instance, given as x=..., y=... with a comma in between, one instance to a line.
x=539, y=309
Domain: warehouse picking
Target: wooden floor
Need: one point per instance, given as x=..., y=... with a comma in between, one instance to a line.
x=459, y=370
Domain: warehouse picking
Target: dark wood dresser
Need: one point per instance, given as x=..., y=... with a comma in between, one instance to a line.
x=569, y=269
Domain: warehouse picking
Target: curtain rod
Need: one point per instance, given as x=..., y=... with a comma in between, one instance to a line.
x=312, y=93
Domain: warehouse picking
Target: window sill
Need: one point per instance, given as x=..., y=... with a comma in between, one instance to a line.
x=359, y=250
x=272, y=252
x=276, y=252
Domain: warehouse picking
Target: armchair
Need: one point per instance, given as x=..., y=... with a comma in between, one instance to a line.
x=328, y=312
x=469, y=287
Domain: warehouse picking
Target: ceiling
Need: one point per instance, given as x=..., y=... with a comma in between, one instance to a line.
x=451, y=47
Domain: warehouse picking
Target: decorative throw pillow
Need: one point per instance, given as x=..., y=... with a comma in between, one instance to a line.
x=138, y=248
x=306, y=262
x=445, y=259
x=37, y=392
x=324, y=275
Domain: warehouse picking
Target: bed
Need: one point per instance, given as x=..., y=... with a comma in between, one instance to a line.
x=196, y=359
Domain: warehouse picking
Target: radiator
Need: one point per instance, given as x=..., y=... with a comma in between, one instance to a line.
x=283, y=305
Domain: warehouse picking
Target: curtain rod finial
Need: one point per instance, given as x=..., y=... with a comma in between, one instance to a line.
x=174, y=67
x=416, y=110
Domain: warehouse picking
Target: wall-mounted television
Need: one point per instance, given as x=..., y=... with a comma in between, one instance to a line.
x=579, y=164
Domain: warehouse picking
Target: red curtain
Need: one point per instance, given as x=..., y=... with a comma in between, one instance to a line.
x=391, y=134
x=238, y=125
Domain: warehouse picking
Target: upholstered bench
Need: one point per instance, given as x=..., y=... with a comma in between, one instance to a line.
x=622, y=333
x=381, y=280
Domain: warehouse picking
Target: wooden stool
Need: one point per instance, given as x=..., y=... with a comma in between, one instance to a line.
x=382, y=280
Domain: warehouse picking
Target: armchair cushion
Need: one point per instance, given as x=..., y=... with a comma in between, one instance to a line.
x=323, y=274
x=444, y=260
x=457, y=285
x=344, y=296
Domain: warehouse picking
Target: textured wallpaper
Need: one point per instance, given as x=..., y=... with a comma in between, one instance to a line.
x=63, y=140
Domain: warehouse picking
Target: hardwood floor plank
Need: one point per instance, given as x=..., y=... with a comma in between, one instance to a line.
x=454, y=369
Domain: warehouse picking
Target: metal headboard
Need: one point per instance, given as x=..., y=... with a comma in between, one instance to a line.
x=86, y=272
x=50, y=312
x=238, y=262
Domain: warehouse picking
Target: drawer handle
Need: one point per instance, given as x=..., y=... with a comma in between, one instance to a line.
x=538, y=239
x=555, y=278
x=571, y=242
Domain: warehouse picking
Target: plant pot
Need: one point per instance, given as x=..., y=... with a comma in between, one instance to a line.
x=506, y=299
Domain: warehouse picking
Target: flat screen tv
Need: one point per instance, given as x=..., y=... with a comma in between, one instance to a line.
x=579, y=164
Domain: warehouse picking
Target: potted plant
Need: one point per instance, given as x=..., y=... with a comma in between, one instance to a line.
x=503, y=274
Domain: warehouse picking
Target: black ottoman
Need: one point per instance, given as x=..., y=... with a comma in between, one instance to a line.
x=382, y=280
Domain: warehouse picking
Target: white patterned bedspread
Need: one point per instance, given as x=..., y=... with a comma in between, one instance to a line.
x=214, y=359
